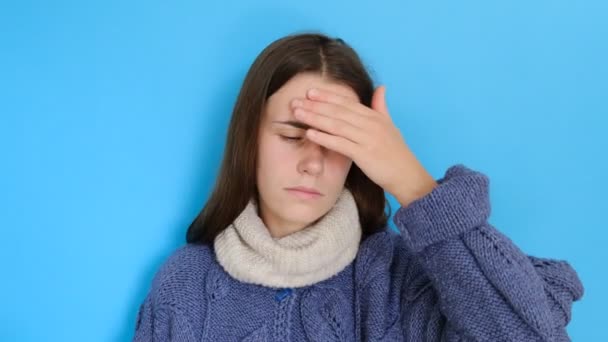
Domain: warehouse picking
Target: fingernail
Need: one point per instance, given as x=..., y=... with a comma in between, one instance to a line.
x=313, y=92
x=296, y=103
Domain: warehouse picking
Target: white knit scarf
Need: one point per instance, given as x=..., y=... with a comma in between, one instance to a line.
x=248, y=252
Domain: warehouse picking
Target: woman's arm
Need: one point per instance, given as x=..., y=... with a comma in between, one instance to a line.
x=484, y=286
x=160, y=323
x=161, y=314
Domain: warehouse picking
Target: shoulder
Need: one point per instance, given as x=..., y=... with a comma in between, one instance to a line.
x=385, y=258
x=387, y=274
x=181, y=274
x=378, y=253
x=383, y=245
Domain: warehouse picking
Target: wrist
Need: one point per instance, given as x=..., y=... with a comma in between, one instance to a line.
x=415, y=188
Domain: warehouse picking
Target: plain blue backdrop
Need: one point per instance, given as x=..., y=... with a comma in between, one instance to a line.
x=114, y=115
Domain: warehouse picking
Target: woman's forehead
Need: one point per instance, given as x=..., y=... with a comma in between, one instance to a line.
x=298, y=85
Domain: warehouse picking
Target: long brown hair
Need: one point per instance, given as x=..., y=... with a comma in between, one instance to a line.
x=333, y=59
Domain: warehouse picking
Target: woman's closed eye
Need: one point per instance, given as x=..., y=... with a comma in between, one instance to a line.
x=290, y=139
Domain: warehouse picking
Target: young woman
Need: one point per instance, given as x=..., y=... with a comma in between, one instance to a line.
x=293, y=244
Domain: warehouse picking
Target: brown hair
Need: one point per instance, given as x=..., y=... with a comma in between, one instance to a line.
x=277, y=63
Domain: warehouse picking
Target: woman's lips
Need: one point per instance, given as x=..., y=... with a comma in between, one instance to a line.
x=303, y=194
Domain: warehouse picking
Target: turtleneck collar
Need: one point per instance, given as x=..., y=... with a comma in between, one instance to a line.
x=248, y=252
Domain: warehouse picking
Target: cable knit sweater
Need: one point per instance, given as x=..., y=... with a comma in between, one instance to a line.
x=448, y=276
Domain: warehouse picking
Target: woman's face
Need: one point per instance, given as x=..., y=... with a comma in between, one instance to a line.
x=284, y=163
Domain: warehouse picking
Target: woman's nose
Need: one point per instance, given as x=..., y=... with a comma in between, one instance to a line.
x=313, y=159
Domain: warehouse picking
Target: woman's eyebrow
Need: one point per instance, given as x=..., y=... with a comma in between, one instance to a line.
x=294, y=123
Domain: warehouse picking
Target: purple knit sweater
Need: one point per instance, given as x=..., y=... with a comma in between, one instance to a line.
x=449, y=276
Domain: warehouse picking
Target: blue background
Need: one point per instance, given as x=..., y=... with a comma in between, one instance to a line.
x=114, y=115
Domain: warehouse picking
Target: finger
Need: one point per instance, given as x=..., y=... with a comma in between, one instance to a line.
x=379, y=100
x=330, y=125
x=333, y=142
x=332, y=110
x=326, y=96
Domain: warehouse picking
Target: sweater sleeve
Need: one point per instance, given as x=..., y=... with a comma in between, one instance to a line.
x=480, y=285
x=161, y=315
x=160, y=323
